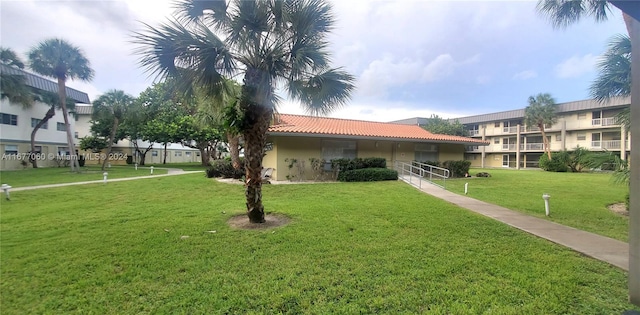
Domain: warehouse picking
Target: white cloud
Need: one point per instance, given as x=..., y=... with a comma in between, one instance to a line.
x=576, y=66
x=525, y=75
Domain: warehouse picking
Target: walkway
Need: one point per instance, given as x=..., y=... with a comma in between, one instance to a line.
x=170, y=172
x=600, y=247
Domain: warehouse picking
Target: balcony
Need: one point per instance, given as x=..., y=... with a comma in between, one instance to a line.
x=472, y=148
x=607, y=144
x=608, y=121
x=532, y=146
x=508, y=147
x=510, y=129
x=473, y=133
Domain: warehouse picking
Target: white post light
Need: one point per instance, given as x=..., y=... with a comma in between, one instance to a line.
x=136, y=166
x=546, y=203
x=466, y=188
x=104, y=178
x=109, y=165
x=151, y=170
x=5, y=188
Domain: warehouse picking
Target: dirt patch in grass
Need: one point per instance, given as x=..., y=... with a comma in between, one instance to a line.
x=619, y=208
x=273, y=220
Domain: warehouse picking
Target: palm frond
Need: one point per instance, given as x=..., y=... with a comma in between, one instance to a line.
x=58, y=58
x=614, y=78
x=323, y=92
x=10, y=58
x=562, y=13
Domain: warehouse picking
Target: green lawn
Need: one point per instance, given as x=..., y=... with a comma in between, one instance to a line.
x=577, y=199
x=54, y=175
x=184, y=166
x=351, y=248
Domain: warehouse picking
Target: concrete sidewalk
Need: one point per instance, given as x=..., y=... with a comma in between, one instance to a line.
x=170, y=172
x=600, y=247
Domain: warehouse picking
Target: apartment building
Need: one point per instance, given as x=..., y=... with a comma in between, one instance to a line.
x=588, y=124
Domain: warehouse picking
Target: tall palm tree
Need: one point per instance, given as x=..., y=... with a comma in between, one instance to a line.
x=541, y=111
x=562, y=13
x=53, y=101
x=112, y=106
x=269, y=44
x=59, y=59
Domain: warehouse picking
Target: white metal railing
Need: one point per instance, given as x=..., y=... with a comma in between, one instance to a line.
x=607, y=144
x=474, y=133
x=508, y=146
x=596, y=122
x=421, y=171
x=595, y=144
x=510, y=129
x=532, y=146
x=609, y=121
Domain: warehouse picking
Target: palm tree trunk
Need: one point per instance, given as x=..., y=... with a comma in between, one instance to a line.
x=164, y=160
x=234, y=151
x=50, y=113
x=545, y=141
x=113, y=135
x=62, y=93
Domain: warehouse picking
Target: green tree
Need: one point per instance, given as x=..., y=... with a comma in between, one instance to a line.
x=59, y=59
x=562, y=13
x=439, y=125
x=13, y=86
x=53, y=101
x=266, y=43
x=112, y=107
x=540, y=112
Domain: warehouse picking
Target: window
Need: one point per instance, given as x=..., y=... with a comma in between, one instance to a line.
x=35, y=121
x=10, y=149
x=75, y=135
x=582, y=116
x=426, y=152
x=8, y=119
x=38, y=149
x=178, y=153
x=582, y=136
x=496, y=141
x=338, y=149
x=559, y=137
x=61, y=127
x=63, y=151
x=154, y=153
x=497, y=124
x=187, y=153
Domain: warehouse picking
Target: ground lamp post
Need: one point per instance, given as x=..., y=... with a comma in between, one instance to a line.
x=546, y=203
x=104, y=177
x=5, y=188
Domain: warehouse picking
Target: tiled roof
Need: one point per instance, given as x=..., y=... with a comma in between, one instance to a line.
x=348, y=128
x=41, y=83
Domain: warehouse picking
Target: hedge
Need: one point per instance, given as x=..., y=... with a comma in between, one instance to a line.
x=224, y=169
x=368, y=175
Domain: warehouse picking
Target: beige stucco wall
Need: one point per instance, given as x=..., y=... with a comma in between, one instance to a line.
x=450, y=152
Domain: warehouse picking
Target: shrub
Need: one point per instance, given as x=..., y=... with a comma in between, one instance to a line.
x=558, y=162
x=578, y=159
x=129, y=159
x=344, y=165
x=224, y=169
x=375, y=162
x=483, y=174
x=457, y=168
x=626, y=201
x=368, y=175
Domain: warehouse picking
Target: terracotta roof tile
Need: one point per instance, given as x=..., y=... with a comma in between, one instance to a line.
x=310, y=125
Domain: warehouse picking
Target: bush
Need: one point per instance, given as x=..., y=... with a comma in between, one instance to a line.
x=129, y=159
x=368, y=175
x=224, y=169
x=558, y=162
x=375, y=162
x=457, y=168
x=626, y=201
x=344, y=165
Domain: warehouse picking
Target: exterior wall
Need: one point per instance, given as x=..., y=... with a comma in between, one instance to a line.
x=450, y=152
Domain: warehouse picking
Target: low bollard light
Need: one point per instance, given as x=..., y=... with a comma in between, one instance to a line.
x=104, y=178
x=546, y=203
x=136, y=166
x=151, y=170
x=466, y=188
x=5, y=188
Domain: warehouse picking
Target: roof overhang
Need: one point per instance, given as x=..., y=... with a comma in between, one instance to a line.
x=332, y=136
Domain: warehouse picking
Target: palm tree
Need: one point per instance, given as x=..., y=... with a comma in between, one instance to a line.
x=14, y=85
x=53, y=101
x=112, y=106
x=540, y=112
x=562, y=13
x=58, y=59
x=270, y=44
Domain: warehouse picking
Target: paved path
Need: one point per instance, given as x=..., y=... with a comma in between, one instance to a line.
x=170, y=172
x=600, y=247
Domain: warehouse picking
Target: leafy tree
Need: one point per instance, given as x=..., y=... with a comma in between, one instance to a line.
x=14, y=86
x=111, y=107
x=61, y=60
x=439, y=125
x=541, y=111
x=94, y=144
x=265, y=42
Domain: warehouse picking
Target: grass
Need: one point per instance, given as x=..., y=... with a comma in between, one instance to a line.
x=577, y=199
x=54, y=175
x=351, y=248
x=184, y=166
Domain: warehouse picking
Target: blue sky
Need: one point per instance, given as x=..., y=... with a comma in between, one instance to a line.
x=410, y=58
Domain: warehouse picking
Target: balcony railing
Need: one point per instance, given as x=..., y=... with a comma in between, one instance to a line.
x=532, y=146
x=506, y=146
x=510, y=129
x=474, y=133
x=608, y=121
x=607, y=144
x=472, y=148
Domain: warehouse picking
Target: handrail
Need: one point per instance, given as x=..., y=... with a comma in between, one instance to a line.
x=422, y=171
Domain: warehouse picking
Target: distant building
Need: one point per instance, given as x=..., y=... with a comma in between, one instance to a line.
x=588, y=124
